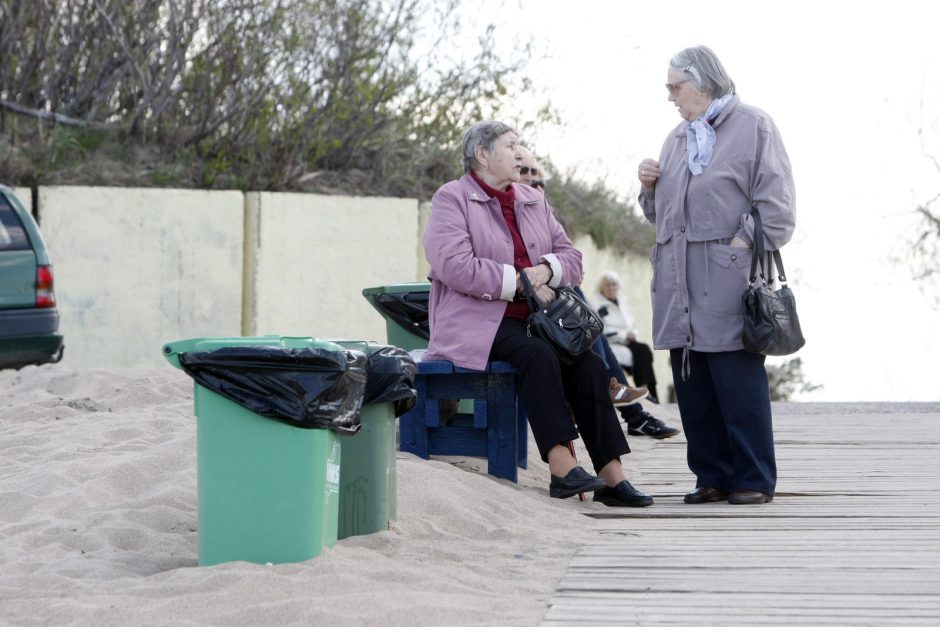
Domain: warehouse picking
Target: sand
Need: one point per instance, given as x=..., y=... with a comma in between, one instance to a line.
x=98, y=524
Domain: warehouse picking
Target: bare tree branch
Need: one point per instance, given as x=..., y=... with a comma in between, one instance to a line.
x=49, y=116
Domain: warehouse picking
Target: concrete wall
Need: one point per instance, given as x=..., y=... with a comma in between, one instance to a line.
x=312, y=256
x=135, y=268
x=139, y=267
x=25, y=196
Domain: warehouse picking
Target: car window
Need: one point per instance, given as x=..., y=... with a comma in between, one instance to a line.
x=12, y=234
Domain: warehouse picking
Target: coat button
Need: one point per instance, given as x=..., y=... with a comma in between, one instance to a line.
x=531, y=244
x=733, y=257
x=688, y=338
x=682, y=229
x=686, y=310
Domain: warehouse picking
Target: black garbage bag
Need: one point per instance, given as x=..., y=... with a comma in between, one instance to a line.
x=391, y=378
x=309, y=388
x=409, y=309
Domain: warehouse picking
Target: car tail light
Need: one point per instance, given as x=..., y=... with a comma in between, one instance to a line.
x=45, y=297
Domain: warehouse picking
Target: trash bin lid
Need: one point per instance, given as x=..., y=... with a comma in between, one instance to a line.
x=303, y=382
x=406, y=307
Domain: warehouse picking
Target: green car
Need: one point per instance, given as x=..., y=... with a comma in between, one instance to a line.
x=29, y=321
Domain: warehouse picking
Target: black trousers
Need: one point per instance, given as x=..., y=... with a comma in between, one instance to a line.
x=725, y=408
x=642, y=369
x=553, y=391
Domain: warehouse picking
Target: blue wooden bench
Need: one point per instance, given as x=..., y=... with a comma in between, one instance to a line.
x=497, y=429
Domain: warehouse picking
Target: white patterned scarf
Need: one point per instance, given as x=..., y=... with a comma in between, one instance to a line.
x=700, y=136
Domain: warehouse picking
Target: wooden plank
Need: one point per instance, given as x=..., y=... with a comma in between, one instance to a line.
x=852, y=537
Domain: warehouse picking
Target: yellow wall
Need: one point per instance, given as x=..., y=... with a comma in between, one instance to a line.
x=313, y=255
x=135, y=268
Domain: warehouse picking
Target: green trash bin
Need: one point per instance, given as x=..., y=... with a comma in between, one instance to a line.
x=404, y=307
x=267, y=492
x=401, y=305
x=368, y=475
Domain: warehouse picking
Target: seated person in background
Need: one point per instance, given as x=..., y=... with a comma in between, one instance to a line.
x=482, y=233
x=620, y=329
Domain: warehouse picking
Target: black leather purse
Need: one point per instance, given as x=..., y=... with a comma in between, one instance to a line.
x=568, y=323
x=771, y=325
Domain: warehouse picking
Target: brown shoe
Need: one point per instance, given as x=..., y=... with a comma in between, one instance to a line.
x=621, y=394
x=749, y=497
x=705, y=495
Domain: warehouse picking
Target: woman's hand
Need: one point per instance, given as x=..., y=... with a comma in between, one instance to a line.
x=539, y=275
x=648, y=173
x=545, y=294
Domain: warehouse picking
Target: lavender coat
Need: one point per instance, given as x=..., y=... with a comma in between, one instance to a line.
x=468, y=246
x=698, y=279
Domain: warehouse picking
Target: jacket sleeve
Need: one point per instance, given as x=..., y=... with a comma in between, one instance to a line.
x=772, y=191
x=564, y=258
x=449, y=251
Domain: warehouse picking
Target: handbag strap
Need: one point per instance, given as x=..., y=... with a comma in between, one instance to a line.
x=763, y=258
x=757, y=256
x=534, y=303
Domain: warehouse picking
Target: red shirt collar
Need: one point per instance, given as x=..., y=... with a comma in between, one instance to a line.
x=509, y=195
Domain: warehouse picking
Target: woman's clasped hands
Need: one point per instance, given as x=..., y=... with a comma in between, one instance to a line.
x=538, y=276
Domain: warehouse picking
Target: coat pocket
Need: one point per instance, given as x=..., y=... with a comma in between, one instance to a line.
x=726, y=278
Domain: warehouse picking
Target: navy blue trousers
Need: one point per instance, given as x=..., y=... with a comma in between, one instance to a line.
x=725, y=408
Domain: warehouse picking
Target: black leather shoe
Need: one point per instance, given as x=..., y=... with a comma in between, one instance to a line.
x=749, y=497
x=577, y=480
x=622, y=495
x=705, y=495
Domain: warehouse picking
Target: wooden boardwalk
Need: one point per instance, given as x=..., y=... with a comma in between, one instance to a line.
x=852, y=537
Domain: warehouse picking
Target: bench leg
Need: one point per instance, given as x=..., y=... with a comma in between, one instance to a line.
x=502, y=428
x=522, y=429
x=412, y=427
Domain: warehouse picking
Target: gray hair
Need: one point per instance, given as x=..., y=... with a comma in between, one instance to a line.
x=706, y=72
x=481, y=135
x=608, y=277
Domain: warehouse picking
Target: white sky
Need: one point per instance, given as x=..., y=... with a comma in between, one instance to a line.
x=849, y=85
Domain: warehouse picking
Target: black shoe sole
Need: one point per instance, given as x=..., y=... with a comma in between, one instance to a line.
x=566, y=493
x=658, y=437
x=611, y=502
x=698, y=501
x=757, y=502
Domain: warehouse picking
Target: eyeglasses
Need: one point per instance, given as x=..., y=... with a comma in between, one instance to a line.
x=526, y=169
x=674, y=87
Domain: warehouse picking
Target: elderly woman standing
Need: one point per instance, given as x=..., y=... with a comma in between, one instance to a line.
x=482, y=233
x=723, y=159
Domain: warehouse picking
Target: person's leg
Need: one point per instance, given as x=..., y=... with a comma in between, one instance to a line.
x=740, y=382
x=610, y=360
x=643, y=373
x=540, y=384
x=709, y=452
x=585, y=387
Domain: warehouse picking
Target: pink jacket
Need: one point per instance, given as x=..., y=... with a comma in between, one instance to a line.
x=468, y=246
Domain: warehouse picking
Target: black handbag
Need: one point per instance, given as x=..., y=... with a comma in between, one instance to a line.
x=771, y=325
x=568, y=323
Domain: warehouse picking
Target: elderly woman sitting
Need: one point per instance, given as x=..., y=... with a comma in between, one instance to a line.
x=483, y=232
